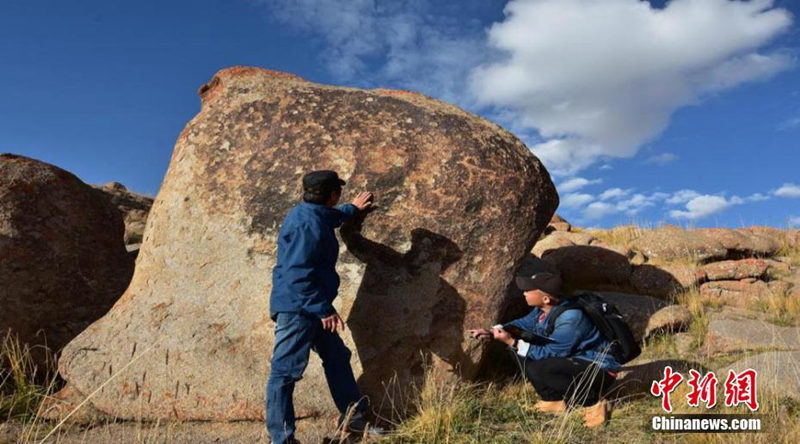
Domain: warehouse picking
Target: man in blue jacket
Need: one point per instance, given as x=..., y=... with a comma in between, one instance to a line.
x=571, y=365
x=304, y=285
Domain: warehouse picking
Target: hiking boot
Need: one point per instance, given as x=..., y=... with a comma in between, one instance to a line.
x=595, y=415
x=551, y=407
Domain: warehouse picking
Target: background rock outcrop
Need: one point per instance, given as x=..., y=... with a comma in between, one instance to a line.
x=62, y=259
x=460, y=203
x=134, y=208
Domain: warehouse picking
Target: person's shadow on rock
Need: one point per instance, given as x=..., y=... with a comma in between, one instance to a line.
x=405, y=315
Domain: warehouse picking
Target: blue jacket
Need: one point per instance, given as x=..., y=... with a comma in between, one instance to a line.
x=574, y=335
x=304, y=279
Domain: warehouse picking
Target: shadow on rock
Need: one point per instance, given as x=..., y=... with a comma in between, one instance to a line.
x=405, y=315
x=596, y=268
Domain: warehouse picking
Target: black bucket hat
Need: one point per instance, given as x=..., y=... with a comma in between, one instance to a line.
x=322, y=181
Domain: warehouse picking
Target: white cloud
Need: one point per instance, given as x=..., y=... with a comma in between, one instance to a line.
x=662, y=159
x=575, y=200
x=579, y=80
x=638, y=202
x=598, y=79
x=598, y=210
x=788, y=190
x=794, y=221
x=404, y=43
x=613, y=193
x=757, y=197
x=682, y=196
x=702, y=206
x=576, y=183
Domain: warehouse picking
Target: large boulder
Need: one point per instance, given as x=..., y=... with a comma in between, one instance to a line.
x=460, y=203
x=743, y=242
x=590, y=267
x=665, y=281
x=63, y=263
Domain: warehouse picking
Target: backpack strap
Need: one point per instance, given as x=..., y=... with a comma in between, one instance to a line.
x=554, y=314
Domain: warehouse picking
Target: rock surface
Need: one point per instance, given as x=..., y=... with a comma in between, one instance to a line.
x=588, y=267
x=63, y=263
x=664, y=281
x=671, y=243
x=558, y=224
x=460, y=204
x=559, y=239
x=134, y=207
x=728, y=334
x=778, y=372
x=735, y=293
x=741, y=269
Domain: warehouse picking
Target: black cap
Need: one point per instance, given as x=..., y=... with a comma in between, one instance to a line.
x=544, y=280
x=322, y=181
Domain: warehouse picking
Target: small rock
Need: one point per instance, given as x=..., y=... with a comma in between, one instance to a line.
x=559, y=239
x=670, y=319
x=557, y=223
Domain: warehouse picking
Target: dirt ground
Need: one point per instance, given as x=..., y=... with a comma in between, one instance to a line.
x=311, y=430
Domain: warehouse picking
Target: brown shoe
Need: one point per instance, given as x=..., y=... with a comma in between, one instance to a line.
x=595, y=415
x=552, y=407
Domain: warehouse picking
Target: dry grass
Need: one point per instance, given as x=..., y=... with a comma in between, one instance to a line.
x=692, y=299
x=782, y=308
x=20, y=394
x=622, y=235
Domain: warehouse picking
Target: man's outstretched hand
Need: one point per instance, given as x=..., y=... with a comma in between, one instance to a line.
x=363, y=200
x=332, y=323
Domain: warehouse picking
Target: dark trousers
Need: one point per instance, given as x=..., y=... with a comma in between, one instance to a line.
x=575, y=381
x=295, y=336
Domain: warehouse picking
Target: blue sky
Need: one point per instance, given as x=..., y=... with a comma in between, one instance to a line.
x=683, y=112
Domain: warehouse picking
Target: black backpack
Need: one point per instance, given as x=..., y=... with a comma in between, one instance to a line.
x=607, y=319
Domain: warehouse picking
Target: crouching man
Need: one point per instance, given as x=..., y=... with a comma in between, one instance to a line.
x=569, y=367
x=304, y=285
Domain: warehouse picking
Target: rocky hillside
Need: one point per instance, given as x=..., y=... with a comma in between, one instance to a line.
x=728, y=297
